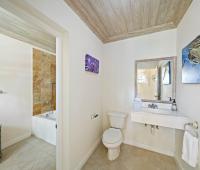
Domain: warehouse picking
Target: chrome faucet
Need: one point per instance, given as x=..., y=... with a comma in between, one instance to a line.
x=153, y=106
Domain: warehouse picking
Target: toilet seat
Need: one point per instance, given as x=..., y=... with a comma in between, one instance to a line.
x=112, y=136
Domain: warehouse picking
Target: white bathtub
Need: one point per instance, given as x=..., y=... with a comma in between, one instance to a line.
x=44, y=126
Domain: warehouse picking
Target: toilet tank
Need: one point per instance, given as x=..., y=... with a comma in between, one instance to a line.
x=117, y=119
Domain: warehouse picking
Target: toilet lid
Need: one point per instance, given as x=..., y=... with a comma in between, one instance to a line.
x=112, y=135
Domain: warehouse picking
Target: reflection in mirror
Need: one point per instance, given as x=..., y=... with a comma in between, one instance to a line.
x=155, y=79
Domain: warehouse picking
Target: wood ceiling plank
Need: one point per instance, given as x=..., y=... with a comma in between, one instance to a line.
x=127, y=13
x=183, y=6
x=99, y=7
x=139, y=10
x=171, y=10
x=89, y=8
x=111, y=17
x=118, y=15
x=163, y=10
x=75, y=5
x=135, y=7
x=155, y=4
x=146, y=14
x=141, y=32
x=17, y=28
x=113, y=20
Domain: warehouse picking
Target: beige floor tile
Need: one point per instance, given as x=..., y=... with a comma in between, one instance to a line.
x=131, y=158
x=29, y=154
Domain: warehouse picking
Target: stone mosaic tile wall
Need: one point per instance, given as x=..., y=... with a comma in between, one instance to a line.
x=44, y=82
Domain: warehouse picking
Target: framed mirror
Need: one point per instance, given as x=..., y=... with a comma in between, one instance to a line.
x=156, y=79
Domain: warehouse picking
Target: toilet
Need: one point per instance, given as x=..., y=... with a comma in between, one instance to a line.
x=113, y=137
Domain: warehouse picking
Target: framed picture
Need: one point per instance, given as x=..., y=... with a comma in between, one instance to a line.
x=166, y=73
x=191, y=62
x=91, y=64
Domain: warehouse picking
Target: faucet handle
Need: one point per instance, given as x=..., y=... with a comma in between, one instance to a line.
x=153, y=106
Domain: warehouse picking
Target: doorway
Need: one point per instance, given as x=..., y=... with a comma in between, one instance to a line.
x=60, y=36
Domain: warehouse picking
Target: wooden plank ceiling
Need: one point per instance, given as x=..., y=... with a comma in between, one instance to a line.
x=15, y=27
x=113, y=20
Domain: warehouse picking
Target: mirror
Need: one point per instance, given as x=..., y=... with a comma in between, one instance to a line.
x=155, y=79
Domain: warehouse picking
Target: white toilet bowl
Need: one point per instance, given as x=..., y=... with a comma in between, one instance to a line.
x=112, y=139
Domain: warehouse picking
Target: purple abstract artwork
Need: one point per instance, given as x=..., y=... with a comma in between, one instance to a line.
x=91, y=64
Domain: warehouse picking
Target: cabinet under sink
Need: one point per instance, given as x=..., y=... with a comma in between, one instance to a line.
x=164, y=118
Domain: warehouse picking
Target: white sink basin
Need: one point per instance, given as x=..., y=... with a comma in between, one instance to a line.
x=158, y=117
x=158, y=111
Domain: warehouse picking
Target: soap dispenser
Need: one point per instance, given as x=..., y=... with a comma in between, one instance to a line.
x=174, y=105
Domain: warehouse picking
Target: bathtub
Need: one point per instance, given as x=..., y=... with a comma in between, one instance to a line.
x=44, y=126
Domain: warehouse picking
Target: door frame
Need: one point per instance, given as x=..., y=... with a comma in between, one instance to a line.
x=26, y=12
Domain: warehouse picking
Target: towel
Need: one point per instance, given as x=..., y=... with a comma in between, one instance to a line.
x=190, y=149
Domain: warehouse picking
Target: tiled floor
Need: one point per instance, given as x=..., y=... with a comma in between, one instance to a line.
x=131, y=158
x=29, y=154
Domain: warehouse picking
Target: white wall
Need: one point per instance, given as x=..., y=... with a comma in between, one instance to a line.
x=188, y=95
x=85, y=88
x=118, y=79
x=118, y=84
x=15, y=79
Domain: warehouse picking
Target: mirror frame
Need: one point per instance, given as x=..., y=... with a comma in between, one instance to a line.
x=172, y=58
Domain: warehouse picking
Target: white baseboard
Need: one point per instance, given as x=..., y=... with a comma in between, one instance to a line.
x=143, y=146
x=88, y=154
x=16, y=140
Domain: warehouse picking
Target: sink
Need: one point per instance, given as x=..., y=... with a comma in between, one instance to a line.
x=158, y=111
x=160, y=117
